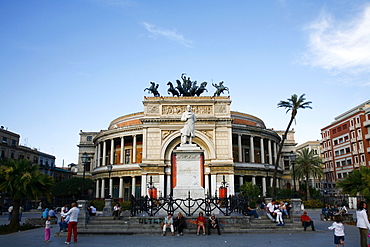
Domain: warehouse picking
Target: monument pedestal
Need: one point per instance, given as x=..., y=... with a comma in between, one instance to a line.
x=189, y=172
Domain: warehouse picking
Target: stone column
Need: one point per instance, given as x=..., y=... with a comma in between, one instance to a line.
x=120, y=190
x=206, y=184
x=254, y=180
x=133, y=185
x=231, y=190
x=262, y=151
x=122, y=150
x=241, y=182
x=97, y=189
x=276, y=153
x=251, y=149
x=270, y=153
x=112, y=151
x=104, y=152
x=95, y=165
x=99, y=154
x=144, y=191
x=264, y=186
x=240, y=148
x=213, y=189
x=102, y=190
x=134, y=149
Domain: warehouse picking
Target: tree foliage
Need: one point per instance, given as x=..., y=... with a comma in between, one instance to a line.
x=308, y=165
x=251, y=190
x=292, y=104
x=21, y=179
x=72, y=187
x=358, y=181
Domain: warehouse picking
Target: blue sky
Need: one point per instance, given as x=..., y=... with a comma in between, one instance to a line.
x=76, y=65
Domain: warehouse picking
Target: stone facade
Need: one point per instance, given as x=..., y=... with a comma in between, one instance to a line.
x=233, y=146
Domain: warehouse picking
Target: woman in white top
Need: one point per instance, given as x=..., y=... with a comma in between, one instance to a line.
x=362, y=222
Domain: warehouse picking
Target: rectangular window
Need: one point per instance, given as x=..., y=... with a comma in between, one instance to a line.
x=334, y=131
x=127, y=156
x=339, y=129
x=89, y=138
x=340, y=140
x=336, y=153
x=349, y=162
x=343, y=162
x=335, y=142
x=342, y=151
x=5, y=140
x=338, y=164
x=348, y=150
x=344, y=126
x=14, y=143
x=339, y=175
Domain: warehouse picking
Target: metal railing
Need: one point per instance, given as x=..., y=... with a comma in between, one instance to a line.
x=189, y=206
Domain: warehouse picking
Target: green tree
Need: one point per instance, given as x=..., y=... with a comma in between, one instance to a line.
x=252, y=190
x=358, y=181
x=308, y=165
x=292, y=104
x=72, y=187
x=23, y=179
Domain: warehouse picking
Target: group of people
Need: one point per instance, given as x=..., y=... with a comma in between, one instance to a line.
x=330, y=211
x=275, y=211
x=69, y=219
x=179, y=224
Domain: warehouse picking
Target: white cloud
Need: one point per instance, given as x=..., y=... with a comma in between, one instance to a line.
x=172, y=35
x=340, y=46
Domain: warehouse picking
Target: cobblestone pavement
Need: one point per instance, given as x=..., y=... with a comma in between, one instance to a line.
x=321, y=238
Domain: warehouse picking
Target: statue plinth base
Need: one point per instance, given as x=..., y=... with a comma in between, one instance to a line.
x=189, y=172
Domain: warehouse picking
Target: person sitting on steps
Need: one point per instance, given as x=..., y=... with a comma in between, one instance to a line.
x=213, y=223
x=306, y=221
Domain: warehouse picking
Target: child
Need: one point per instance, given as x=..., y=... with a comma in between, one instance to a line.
x=47, y=229
x=338, y=230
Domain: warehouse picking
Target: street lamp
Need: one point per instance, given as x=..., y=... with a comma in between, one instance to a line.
x=292, y=160
x=267, y=166
x=109, y=168
x=85, y=160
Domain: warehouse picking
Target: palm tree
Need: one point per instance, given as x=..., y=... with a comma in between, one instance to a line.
x=358, y=181
x=23, y=179
x=308, y=165
x=293, y=104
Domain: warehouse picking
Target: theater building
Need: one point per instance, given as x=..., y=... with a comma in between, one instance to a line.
x=144, y=147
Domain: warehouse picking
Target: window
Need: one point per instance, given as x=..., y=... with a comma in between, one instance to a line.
x=335, y=142
x=344, y=126
x=336, y=153
x=14, y=143
x=342, y=151
x=348, y=150
x=343, y=162
x=89, y=138
x=346, y=138
x=12, y=155
x=356, y=159
x=351, y=122
x=334, y=131
x=339, y=129
x=349, y=162
x=127, y=156
x=362, y=158
x=338, y=164
x=5, y=140
x=339, y=175
x=340, y=140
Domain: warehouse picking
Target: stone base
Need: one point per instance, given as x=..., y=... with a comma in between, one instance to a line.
x=183, y=192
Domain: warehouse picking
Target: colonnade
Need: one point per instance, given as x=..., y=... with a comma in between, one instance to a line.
x=105, y=157
x=271, y=150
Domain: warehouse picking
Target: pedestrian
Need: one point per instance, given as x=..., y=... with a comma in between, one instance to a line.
x=306, y=221
x=21, y=209
x=47, y=229
x=362, y=222
x=10, y=211
x=338, y=228
x=45, y=214
x=72, y=224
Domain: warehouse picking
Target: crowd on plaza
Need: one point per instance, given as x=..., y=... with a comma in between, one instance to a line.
x=330, y=211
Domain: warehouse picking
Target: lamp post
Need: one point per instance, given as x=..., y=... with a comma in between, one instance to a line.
x=292, y=160
x=109, y=169
x=85, y=160
x=267, y=166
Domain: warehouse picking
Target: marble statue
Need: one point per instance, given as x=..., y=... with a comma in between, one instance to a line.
x=188, y=132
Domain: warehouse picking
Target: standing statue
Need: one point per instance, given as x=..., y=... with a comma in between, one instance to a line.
x=188, y=132
x=220, y=88
x=153, y=89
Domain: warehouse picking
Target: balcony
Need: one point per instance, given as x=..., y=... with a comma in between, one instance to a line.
x=354, y=152
x=358, y=125
x=353, y=139
x=366, y=123
x=361, y=150
x=359, y=138
x=351, y=127
x=362, y=164
x=368, y=149
x=367, y=136
x=356, y=165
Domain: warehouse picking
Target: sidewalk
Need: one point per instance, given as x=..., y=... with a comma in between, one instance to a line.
x=321, y=238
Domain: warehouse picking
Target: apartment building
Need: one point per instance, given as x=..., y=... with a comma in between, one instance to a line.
x=345, y=145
